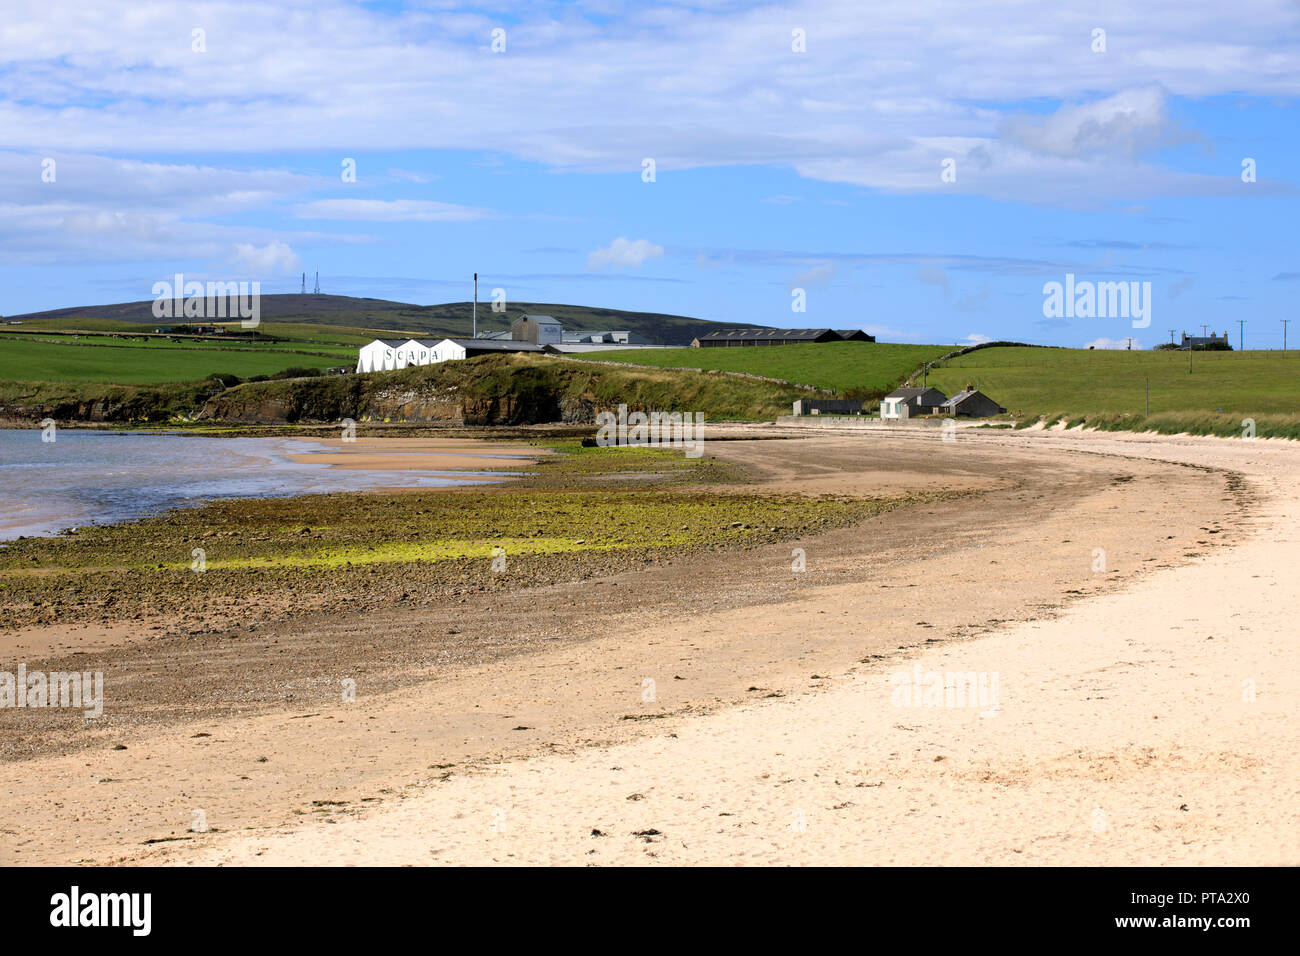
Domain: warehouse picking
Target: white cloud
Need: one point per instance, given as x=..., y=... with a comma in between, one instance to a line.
x=1127, y=124
x=275, y=256
x=624, y=254
x=1104, y=343
x=390, y=210
x=598, y=97
x=977, y=338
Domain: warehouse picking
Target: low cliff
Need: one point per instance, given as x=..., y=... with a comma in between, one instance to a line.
x=496, y=390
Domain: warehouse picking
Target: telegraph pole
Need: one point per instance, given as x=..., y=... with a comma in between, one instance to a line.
x=474, y=319
x=1241, y=335
x=1284, y=322
x=1171, y=336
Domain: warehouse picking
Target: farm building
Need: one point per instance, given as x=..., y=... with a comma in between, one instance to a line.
x=537, y=329
x=386, y=355
x=972, y=403
x=828, y=406
x=906, y=402
x=854, y=335
x=725, y=338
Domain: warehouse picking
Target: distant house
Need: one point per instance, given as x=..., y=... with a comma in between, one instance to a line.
x=537, y=329
x=725, y=338
x=972, y=403
x=854, y=335
x=1196, y=341
x=906, y=402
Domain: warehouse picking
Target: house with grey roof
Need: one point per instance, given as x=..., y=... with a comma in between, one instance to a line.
x=971, y=403
x=906, y=402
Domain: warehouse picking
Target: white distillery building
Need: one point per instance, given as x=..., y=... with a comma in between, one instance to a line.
x=387, y=355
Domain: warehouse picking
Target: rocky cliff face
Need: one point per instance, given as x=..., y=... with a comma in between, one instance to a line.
x=364, y=399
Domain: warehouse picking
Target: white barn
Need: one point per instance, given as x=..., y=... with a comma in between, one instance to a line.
x=387, y=355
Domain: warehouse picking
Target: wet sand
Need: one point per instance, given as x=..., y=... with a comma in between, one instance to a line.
x=419, y=454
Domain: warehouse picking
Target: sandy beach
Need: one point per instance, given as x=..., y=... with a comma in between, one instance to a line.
x=726, y=709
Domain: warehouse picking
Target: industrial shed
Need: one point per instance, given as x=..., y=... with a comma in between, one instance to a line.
x=453, y=349
x=537, y=329
x=854, y=335
x=725, y=338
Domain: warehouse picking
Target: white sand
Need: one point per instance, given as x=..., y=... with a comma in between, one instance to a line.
x=1126, y=732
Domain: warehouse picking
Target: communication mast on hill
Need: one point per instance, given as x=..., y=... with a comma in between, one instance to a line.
x=304, y=283
x=317, y=289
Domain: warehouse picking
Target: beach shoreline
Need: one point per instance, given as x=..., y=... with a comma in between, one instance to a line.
x=728, y=642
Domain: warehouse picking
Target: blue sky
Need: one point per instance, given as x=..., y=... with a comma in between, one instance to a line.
x=775, y=169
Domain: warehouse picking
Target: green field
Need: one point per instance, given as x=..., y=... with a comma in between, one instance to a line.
x=1108, y=388
x=103, y=359
x=854, y=369
x=298, y=332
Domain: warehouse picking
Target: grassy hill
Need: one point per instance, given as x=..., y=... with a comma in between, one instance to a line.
x=854, y=369
x=1107, y=389
x=450, y=319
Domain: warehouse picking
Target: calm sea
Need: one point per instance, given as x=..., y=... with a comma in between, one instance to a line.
x=94, y=477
